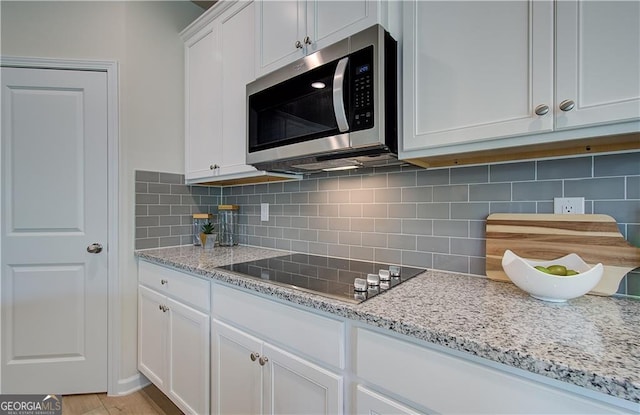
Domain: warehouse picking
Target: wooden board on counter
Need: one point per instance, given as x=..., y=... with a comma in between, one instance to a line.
x=595, y=238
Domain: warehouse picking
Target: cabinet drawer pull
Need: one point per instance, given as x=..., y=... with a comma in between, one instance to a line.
x=307, y=40
x=567, y=105
x=213, y=167
x=542, y=109
x=254, y=356
x=263, y=360
x=298, y=44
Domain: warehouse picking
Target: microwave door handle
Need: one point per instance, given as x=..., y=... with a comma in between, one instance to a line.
x=338, y=100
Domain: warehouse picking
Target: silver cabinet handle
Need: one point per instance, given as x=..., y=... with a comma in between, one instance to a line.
x=94, y=248
x=567, y=105
x=163, y=308
x=307, y=40
x=298, y=44
x=254, y=356
x=163, y=282
x=213, y=167
x=263, y=360
x=542, y=109
x=160, y=307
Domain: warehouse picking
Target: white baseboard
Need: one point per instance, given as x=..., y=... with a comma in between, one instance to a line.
x=130, y=385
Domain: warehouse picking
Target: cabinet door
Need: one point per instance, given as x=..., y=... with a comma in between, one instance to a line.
x=236, y=376
x=331, y=21
x=295, y=386
x=152, y=336
x=236, y=31
x=188, y=339
x=598, y=62
x=203, y=106
x=280, y=24
x=371, y=403
x=475, y=70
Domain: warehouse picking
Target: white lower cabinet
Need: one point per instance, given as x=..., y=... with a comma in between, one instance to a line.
x=296, y=386
x=251, y=375
x=173, y=336
x=213, y=348
x=439, y=382
x=236, y=375
x=152, y=337
x=369, y=402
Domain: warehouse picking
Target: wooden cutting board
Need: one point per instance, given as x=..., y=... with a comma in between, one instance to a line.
x=595, y=238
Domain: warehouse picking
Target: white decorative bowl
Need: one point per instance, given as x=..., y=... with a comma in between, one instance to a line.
x=550, y=287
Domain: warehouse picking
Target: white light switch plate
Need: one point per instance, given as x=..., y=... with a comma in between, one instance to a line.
x=264, y=212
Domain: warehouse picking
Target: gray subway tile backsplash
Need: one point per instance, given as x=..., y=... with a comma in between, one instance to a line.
x=164, y=205
x=511, y=172
x=595, y=189
x=490, y=192
x=147, y=176
x=539, y=190
x=428, y=218
x=451, y=193
x=473, y=174
x=633, y=187
x=564, y=168
x=625, y=164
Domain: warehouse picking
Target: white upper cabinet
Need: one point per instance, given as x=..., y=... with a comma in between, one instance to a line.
x=597, y=62
x=475, y=70
x=289, y=30
x=236, y=31
x=219, y=62
x=280, y=33
x=481, y=75
x=203, y=107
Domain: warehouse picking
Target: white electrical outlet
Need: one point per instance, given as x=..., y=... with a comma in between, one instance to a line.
x=568, y=205
x=264, y=212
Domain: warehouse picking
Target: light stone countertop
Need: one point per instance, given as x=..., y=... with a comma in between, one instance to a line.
x=592, y=342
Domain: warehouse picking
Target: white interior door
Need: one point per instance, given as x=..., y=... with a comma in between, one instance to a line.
x=54, y=206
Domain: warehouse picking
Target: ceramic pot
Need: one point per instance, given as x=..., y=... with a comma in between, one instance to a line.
x=208, y=240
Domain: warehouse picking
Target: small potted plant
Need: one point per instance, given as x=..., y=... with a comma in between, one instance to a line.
x=207, y=237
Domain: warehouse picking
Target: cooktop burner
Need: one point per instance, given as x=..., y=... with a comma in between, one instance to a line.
x=343, y=279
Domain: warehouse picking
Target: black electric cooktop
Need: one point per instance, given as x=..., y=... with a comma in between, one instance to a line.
x=331, y=277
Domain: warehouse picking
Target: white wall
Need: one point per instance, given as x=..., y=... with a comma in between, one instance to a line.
x=142, y=36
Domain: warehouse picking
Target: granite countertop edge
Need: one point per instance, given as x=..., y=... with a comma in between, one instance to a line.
x=610, y=385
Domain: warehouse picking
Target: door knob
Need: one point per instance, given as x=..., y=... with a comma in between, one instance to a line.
x=94, y=248
x=298, y=44
x=307, y=40
x=263, y=360
x=254, y=356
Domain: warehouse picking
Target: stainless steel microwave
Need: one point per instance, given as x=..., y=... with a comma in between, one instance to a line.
x=336, y=108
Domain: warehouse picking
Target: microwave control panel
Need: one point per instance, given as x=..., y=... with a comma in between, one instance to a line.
x=361, y=68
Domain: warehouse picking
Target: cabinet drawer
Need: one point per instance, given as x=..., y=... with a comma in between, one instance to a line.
x=308, y=334
x=436, y=380
x=184, y=287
